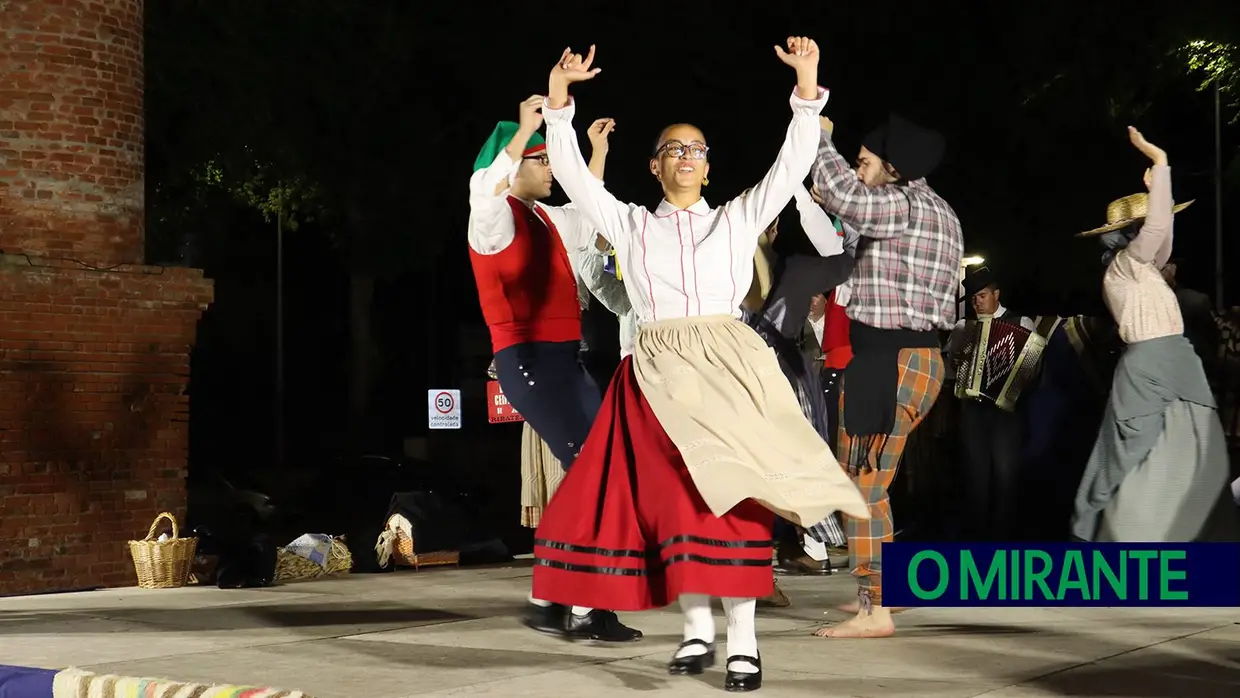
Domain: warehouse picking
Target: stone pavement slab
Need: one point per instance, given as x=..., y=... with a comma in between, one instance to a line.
x=453, y=632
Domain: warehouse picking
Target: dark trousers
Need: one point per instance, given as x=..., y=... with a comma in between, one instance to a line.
x=991, y=442
x=547, y=383
x=831, y=379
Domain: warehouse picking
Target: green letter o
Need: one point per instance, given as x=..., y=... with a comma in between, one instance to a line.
x=944, y=575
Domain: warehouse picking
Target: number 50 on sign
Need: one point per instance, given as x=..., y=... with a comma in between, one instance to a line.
x=443, y=409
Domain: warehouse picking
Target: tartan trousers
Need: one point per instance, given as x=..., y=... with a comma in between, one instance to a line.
x=919, y=382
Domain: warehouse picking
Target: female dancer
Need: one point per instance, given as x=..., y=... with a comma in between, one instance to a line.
x=701, y=436
x=1159, y=467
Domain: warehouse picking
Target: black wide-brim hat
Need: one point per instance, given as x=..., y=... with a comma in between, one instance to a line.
x=977, y=281
x=914, y=151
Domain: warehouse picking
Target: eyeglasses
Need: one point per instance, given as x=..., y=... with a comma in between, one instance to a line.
x=542, y=159
x=676, y=149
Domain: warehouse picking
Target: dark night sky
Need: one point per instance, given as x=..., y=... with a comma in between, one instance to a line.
x=1023, y=178
x=386, y=108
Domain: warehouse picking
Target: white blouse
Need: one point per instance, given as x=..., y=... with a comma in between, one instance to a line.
x=491, y=225
x=691, y=262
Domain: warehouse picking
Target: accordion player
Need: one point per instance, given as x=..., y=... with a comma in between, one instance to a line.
x=1000, y=359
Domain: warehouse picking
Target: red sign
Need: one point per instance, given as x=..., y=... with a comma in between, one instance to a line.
x=498, y=409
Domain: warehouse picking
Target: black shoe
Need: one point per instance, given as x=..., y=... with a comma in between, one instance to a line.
x=693, y=664
x=803, y=565
x=738, y=682
x=546, y=619
x=602, y=626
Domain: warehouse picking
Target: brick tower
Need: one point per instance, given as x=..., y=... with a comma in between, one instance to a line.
x=94, y=346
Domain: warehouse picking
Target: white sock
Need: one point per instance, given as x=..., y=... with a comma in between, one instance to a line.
x=581, y=611
x=699, y=623
x=539, y=602
x=742, y=634
x=814, y=549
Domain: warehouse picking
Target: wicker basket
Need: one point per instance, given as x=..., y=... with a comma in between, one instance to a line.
x=163, y=564
x=405, y=557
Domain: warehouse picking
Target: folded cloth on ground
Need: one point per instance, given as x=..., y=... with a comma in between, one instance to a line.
x=315, y=547
x=25, y=682
x=73, y=683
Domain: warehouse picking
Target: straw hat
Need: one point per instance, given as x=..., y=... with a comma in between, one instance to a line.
x=1127, y=210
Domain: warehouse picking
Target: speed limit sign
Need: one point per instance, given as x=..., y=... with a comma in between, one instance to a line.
x=444, y=409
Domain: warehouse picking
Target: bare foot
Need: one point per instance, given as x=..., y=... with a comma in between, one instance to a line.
x=876, y=623
x=855, y=607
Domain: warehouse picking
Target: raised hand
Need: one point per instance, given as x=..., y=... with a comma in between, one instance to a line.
x=1151, y=151
x=573, y=68
x=802, y=52
x=598, y=133
x=531, y=114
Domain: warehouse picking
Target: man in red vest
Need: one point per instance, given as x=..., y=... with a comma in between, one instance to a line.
x=523, y=255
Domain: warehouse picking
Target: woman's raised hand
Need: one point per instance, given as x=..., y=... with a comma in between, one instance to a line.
x=802, y=52
x=573, y=68
x=1157, y=155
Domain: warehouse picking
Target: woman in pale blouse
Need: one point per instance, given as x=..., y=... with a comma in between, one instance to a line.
x=701, y=438
x=1159, y=467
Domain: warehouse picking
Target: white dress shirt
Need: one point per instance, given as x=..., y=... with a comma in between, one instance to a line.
x=491, y=225
x=819, y=326
x=691, y=262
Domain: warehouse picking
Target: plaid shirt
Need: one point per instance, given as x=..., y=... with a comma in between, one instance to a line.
x=908, y=260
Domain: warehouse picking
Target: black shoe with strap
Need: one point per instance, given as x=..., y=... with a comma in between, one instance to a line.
x=601, y=626
x=692, y=663
x=739, y=682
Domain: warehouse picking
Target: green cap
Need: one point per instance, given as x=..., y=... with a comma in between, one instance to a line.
x=500, y=138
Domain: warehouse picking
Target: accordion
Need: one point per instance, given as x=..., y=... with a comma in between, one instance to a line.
x=1000, y=360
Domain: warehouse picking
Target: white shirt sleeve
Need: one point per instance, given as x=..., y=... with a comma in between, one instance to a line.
x=491, y=228
x=817, y=225
x=575, y=233
x=598, y=207
x=754, y=210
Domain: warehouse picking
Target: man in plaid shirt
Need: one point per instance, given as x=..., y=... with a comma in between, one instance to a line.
x=903, y=294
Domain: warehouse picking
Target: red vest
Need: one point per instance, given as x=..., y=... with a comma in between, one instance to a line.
x=835, y=343
x=528, y=290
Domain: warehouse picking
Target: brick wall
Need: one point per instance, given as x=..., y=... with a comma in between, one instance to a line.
x=93, y=415
x=94, y=347
x=71, y=129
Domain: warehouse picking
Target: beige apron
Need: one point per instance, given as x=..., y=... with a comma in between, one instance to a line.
x=718, y=392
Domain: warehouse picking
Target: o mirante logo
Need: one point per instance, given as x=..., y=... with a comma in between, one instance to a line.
x=1104, y=574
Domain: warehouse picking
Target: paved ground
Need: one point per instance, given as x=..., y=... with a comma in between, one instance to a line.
x=451, y=632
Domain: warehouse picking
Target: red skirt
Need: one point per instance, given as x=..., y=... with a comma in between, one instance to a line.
x=627, y=529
